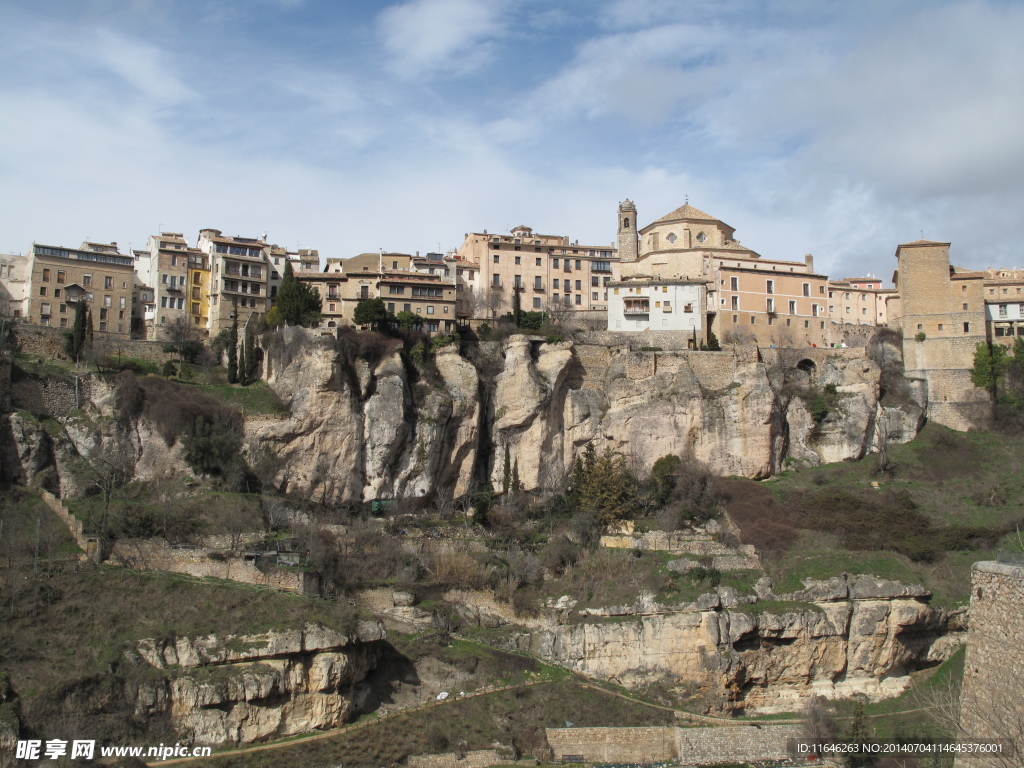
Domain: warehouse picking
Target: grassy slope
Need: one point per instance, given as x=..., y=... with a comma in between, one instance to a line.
x=970, y=479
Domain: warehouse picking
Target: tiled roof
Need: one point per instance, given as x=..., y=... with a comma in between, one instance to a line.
x=686, y=212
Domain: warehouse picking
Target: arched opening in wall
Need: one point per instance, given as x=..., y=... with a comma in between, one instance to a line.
x=332, y=324
x=806, y=365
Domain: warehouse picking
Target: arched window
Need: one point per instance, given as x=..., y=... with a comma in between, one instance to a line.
x=625, y=223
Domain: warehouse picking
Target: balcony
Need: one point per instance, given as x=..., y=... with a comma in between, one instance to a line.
x=637, y=308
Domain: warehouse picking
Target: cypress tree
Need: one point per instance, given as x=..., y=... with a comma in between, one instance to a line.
x=249, y=346
x=506, y=479
x=517, y=305
x=88, y=327
x=517, y=483
x=241, y=366
x=76, y=341
x=233, y=351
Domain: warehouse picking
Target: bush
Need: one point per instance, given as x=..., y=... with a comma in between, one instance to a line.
x=214, y=448
x=169, y=369
x=173, y=408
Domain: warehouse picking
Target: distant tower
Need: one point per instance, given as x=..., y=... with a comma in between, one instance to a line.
x=628, y=243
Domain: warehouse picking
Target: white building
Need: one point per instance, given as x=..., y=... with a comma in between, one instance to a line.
x=653, y=304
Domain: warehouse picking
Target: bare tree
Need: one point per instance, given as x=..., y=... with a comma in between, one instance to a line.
x=180, y=333
x=558, y=312
x=111, y=466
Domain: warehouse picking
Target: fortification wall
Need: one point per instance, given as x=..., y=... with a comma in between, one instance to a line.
x=214, y=564
x=687, y=746
x=54, y=397
x=992, y=702
x=481, y=758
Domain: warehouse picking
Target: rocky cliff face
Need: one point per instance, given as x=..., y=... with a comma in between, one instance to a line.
x=844, y=636
x=234, y=690
x=358, y=432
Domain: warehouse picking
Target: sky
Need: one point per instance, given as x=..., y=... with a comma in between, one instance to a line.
x=833, y=128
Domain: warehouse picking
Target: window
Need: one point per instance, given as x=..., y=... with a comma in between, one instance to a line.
x=123, y=302
x=106, y=301
x=593, y=296
x=103, y=313
x=579, y=298
x=792, y=307
x=63, y=308
x=497, y=259
x=86, y=281
x=753, y=320
x=496, y=281
x=519, y=281
x=61, y=276
x=814, y=309
x=103, y=326
x=554, y=263
x=42, y=290
x=940, y=326
x=595, y=281
x=967, y=327
x=601, y=266
x=578, y=285
x=770, y=287
x=734, y=283
x=771, y=305
x=556, y=282
x=965, y=305
x=163, y=302
x=554, y=297
x=430, y=309
x=807, y=289
x=539, y=262
x=63, y=322
x=920, y=327
x=821, y=289
x=579, y=265
x=46, y=275
x=108, y=282
x=44, y=309
x=406, y=307
x=735, y=318
x=1002, y=310
x=519, y=259
x=735, y=302
x=536, y=302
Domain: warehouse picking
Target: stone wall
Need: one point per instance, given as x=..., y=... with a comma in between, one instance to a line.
x=992, y=703
x=687, y=746
x=481, y=758
x=52, y=397
x=47, y=341
x=214, y=564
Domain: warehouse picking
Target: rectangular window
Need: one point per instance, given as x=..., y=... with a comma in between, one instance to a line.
x=735, y=302
x=61, y=276
x=496, y=281
x=46, y=275
x=1002, y=310
x=519, y=281
x=108, y=282
x=63, y=308
x=42, y=290
x=557, y=283
x=519, y=260
x=807, y=289
x=579, y=299
x=554, y=263
x=965, y=307
x=792, y=307
x=430, y=309
x=579, y=264
x=163, y=302
x=771, y=305
x=734, y=283
x=967, y=327
x=940, y=326
x=86, y=281
x=497, y=259
x=814, y=310
x=536, y=302
x=594, y=281
x=538, y=282
x=407, y=307
x=593, y=296
x=44, y=309
x=107, y=301
x=103, y=313
x=538, y=262
x=770, y=287
x=103, y=326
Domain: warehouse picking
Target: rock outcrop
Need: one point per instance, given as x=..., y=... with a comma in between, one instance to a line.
x=239, y=690
x=845, y=636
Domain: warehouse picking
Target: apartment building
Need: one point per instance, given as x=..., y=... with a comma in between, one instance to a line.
x=164, y=266
x=305, y=261
x=97, y=272
x=547, y=269
x=859, y=301
x=239, y=278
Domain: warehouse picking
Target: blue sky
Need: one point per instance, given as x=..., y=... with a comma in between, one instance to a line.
x=838, y=129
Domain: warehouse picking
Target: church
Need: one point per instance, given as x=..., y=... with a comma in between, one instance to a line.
x=687, y=273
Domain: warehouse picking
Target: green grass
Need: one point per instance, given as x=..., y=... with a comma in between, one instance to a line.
x=254, y=398
x=800, y=564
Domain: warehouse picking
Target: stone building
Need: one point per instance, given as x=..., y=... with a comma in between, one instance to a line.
x=97, y=272
x=942, y=318
x=168, y=266
x=746, y=297
x=548, y=270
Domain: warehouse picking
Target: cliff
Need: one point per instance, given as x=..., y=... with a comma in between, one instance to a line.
x=359, y=431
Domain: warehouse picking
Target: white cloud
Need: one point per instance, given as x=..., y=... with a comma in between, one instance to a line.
x=428, y=37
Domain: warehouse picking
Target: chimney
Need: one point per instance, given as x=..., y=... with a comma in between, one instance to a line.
x=809, y=261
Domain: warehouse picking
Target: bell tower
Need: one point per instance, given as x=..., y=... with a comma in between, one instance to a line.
x=628, y=242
